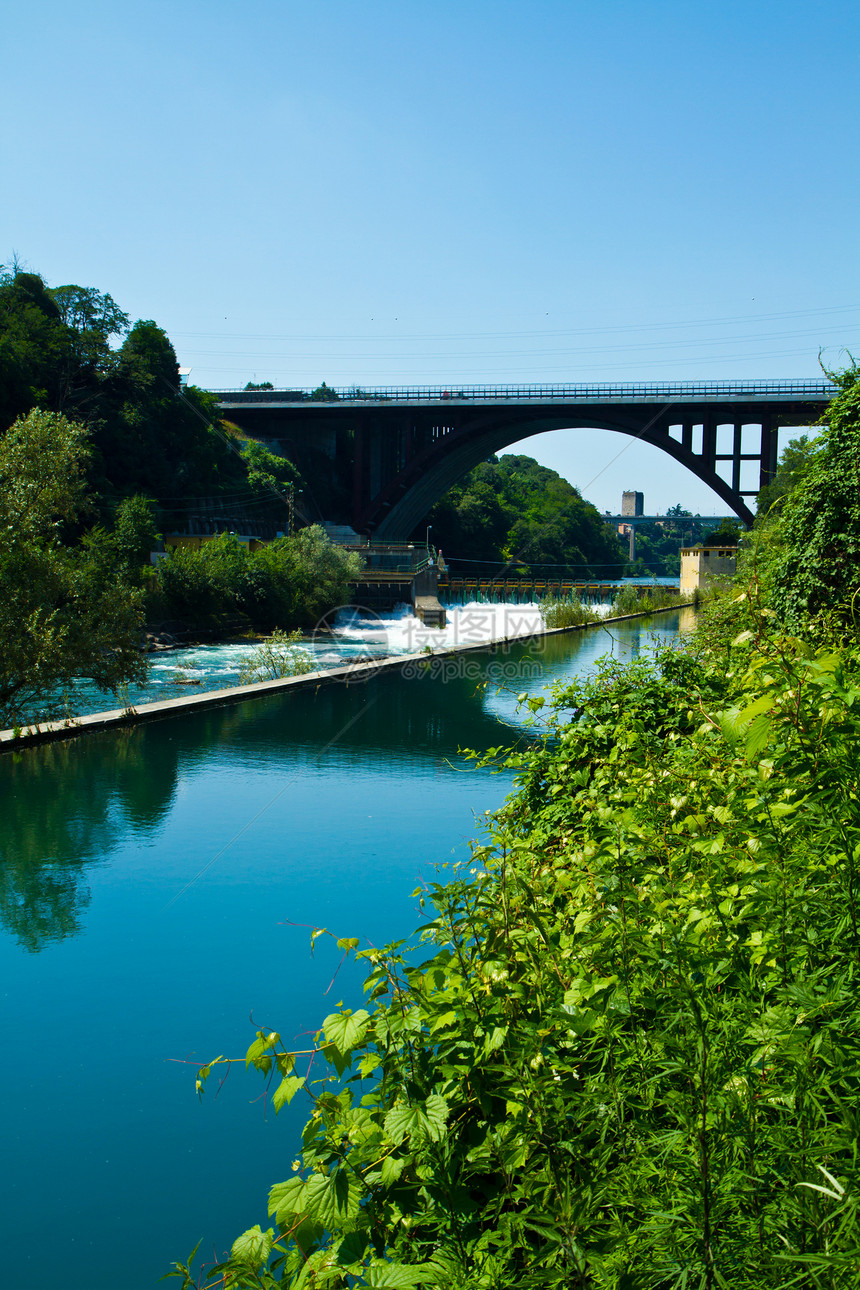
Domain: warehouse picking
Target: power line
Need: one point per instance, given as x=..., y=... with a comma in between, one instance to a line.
x=523, y=353
x=576, y=331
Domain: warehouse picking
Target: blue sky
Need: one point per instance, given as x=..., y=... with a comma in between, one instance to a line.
x=384, y=193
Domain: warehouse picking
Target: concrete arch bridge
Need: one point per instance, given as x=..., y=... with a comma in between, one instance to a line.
x=392, y=452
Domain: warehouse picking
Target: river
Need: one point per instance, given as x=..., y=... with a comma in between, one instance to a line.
x=158, y=885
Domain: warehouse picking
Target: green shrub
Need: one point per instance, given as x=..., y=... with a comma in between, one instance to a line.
x=812, y=566
x=630, y=1057
x=280, y=655
x=634, y=598
x=566, y=613
x=199, y=585
x=289, y=583
x=626, y=599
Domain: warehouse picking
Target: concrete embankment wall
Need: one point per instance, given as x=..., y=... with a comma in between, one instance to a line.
x=350, y=674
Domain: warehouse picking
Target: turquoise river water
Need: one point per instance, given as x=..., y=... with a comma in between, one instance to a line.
x=157, y=889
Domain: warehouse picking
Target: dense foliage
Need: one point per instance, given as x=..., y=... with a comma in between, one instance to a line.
x=569, y=612
x=291, y=582
x=815, y=544
x=513, y=511
x=794, y=461
x=630, y=1056
x=100, y=453
x=71, y=349
x=65, y=610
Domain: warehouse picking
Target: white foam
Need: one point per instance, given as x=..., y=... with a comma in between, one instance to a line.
x=400, y=632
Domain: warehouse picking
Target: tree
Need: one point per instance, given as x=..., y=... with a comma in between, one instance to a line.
x=153, y=438
x=290, y=583
x=135, y=534
x=57, y=352
x=32, y=342
x=726, y=534
x=267, y=472
x=65, y=613
x=310, y=575
x=201, y=585
x=324, y=394
x=814, y=563
x=796, y=458
x=91, y=319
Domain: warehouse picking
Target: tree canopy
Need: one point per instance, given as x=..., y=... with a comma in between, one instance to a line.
x=814, y=544
x=65, y=611
x=59, y=352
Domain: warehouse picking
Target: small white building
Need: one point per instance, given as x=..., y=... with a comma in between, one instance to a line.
x=699, y=563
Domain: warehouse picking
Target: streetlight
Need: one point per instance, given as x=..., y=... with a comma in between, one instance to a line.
x=427, y=538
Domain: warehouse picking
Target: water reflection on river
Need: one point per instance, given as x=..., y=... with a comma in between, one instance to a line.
x=156, y=888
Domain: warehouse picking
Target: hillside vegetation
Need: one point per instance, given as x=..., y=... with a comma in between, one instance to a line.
x=512, y=511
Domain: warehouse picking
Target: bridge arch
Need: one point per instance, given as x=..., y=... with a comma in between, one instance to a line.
x=401, y=507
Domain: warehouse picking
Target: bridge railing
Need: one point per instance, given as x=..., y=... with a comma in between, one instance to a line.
x=816, y=390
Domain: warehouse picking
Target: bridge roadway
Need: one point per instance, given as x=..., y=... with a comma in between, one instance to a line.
x=394, y=451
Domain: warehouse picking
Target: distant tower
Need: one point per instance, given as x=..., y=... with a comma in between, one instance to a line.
x=632, y=504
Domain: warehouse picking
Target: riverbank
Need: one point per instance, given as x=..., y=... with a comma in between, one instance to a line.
x=635, y=1015
x=356, y=673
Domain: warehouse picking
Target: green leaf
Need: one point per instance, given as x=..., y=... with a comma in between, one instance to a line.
x=286, y=1091
x=253, y=1247
x=402, y=1276
x=419, y=1122
x=495, y=1039
x=262, y=1044
x=351, y=1248
x=758, y=735
x=285, y=1063
x=286, y=1199
x=346, y=1029
x=332, y=1199
x=762, y=704
x=392, y=1168
x=369, y=1064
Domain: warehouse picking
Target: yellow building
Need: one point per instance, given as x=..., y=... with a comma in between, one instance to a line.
x=699, y=563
